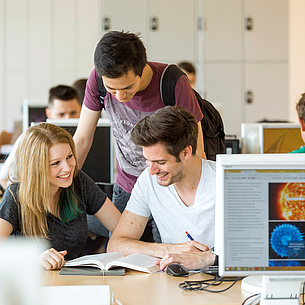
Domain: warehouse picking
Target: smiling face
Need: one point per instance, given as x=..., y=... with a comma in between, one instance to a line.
x=62, y=165
x=163, y=165
x=123, y=88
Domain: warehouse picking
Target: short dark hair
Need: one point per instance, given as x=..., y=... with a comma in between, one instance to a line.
x=172, y=126
x=187, y=66
x=300, y=107
x=80, y=86
x=62, y=92
x=119, y=52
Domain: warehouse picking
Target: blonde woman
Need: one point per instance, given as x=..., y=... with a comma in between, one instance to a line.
x=51, y=198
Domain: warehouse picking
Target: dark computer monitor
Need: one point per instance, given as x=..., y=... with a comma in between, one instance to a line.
x=232, y=144
x=33, y=110
x=260, y=218
x=99, y=164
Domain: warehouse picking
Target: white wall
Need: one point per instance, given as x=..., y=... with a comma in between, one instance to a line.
x=296, y=54
x=43, y=43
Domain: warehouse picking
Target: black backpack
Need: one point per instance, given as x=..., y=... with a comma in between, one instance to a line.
x=212, y=124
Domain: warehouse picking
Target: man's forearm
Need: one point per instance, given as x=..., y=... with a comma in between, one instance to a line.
x=82, y=150
x=126, y=246
x=84, y=134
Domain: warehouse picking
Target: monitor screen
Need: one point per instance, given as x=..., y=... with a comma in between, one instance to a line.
x=33, y=111
x=99, y=164
x=260, y=214
x=280, y=137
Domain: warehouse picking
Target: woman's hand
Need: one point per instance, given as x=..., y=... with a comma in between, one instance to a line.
x=52, y=259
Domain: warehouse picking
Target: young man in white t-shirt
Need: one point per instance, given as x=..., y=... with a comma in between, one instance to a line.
x=177, y=189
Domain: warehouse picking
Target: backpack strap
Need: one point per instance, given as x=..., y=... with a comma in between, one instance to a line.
x=168, y=81
x=101, y=90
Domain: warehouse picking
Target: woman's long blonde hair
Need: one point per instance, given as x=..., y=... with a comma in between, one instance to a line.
x=32, y=169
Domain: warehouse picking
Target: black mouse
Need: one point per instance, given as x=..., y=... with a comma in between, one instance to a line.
x=176, y=269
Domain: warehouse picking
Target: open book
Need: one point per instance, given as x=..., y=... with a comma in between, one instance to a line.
x=105, y=261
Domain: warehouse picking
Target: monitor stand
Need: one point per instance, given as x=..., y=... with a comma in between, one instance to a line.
x=252, y=284
x=279, y=290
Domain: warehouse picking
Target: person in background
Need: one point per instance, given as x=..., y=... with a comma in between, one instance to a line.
x=63, y=104
x=51, y=197
x=133, y=92
x=300, y=107
x=178, y=189
x=80, y=86
x=190, y=71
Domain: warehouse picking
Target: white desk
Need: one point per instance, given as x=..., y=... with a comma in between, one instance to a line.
x=152, y=289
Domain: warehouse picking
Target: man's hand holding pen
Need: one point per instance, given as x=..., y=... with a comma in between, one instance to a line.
x=190, y=254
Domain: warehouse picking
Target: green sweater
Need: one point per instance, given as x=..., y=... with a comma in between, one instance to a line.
x=301, y=150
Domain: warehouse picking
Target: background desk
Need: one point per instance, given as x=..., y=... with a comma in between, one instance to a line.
x=152, y=289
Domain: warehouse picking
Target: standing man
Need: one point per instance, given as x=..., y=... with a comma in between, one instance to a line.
x=178, y=190
x=133, y=92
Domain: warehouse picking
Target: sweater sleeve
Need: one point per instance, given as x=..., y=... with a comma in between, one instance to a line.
x=9, y=208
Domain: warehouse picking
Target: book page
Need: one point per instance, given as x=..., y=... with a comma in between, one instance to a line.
x=97, y=260
x=140, y=262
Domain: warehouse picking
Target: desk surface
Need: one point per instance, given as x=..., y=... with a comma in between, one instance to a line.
x=158, y=288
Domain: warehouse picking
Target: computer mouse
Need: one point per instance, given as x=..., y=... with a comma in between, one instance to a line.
x=176, y=269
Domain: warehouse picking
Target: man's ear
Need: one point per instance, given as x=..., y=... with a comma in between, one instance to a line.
x=302, y=124
x=48, y=112
x=187, y=152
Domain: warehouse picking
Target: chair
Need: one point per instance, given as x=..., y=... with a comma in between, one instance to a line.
x=106, y=188
x=5, y=139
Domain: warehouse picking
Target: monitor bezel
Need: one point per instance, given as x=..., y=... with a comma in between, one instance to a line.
x=264, y=126
x=247, y=161
x=103, y=122
x=26, y=105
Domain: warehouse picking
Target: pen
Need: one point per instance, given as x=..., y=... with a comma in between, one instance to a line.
x=189, y=236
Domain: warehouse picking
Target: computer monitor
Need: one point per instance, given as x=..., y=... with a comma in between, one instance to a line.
x=21, y=275
x=100, y=162
x=260, y=215
x=250, y=138
x=33, y=110
x=279, y=137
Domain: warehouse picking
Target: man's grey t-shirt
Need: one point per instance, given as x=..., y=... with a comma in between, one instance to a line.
x=124, y=116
